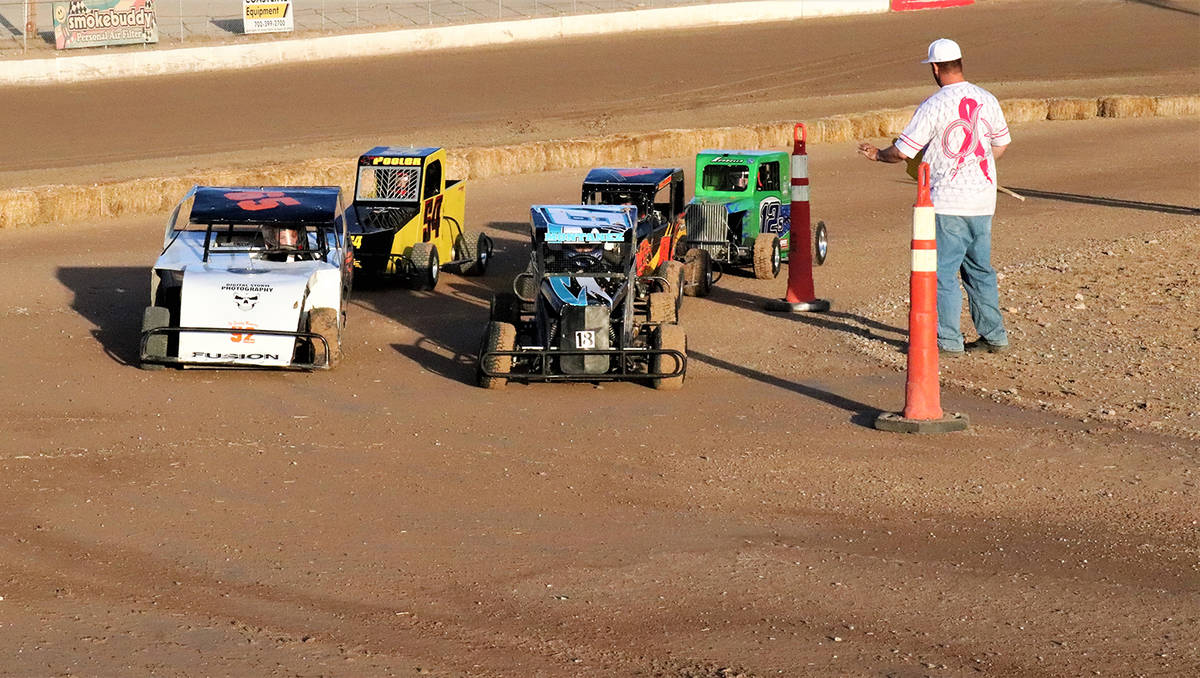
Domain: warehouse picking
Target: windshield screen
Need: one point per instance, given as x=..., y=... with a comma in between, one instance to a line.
x=735, y=178
x=595, y=259
x=395, y=184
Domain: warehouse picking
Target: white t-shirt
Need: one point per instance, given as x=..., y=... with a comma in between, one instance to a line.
x=957, y=127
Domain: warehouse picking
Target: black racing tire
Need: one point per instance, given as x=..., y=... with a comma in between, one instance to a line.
x=767, y=256
x=697, y=273
x=474, y=250
x=498, y=337
x=668, y=337
x=427, y=267
x=662, y=307
x=505, y=308
x=820, y=243
x=324, y=321
x=153, y=318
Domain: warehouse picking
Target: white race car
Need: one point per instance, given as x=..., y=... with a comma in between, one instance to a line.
x=251, y=277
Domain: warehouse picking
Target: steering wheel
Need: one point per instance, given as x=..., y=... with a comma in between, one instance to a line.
x=583, y=263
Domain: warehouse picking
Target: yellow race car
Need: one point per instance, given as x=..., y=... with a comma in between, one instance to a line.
x=409, y=218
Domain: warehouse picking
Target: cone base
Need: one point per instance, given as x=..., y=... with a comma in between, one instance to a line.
x=785, y=306
x=894, y=422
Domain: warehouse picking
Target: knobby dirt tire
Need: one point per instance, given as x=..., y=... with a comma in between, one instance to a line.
x=673, y=272
x=662, y=307
x=668, y=337
x=324, y=321
x=499, y=337
x=767, y=256
x=697, y=273
x=505, y=308
x=153, y=318
x=427, y=267
x=471, y=248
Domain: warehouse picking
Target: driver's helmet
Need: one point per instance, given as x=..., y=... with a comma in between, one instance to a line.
x=281, y=237
x=741, y=179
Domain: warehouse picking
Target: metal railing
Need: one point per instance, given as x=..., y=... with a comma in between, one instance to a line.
x=220, y=21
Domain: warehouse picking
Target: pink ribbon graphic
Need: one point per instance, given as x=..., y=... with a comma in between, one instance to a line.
x=968, y=111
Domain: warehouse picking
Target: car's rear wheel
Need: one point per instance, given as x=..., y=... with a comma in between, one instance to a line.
x=426, y=265
x=324, y=321
x=475, y=251
x=820, y=243
x=767, y=256
x=668, y=337
x=153, y=318
x=662, y=307
x=505, y=308
x=697, y=273
x=499, y=337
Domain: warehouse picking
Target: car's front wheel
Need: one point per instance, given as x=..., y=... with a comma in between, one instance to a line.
x=499, y=337
x=767, y=256
x=324, y=321
x=427, y=267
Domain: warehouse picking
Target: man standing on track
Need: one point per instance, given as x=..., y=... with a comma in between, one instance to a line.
x=962, y=132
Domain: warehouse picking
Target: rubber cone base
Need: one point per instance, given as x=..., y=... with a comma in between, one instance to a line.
x=894, y=422
x=785, y=306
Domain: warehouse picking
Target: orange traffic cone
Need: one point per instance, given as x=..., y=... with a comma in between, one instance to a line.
x=800, y=292
x=922, y=396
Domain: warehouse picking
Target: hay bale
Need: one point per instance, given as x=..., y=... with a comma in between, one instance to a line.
x=1126, y=107
x=663, y=144
x=18, y=208
x=832, y=130
x=776, y=135
x=1071, y=109
x=1178, y=106
x=572, y=153
x=895, y=120
x=1024, y=110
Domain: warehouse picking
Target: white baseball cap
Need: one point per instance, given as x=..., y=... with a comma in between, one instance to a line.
x=941, y=50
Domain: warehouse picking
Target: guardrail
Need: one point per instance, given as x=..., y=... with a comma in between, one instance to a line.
x=203, y=21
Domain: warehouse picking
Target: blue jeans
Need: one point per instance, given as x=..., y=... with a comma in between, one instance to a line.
x=964, y=245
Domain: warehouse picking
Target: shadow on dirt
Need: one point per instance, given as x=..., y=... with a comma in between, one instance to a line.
x=862, y=414
x=838, y=321
x=113, y=299
x=1108, y=202
x=1167, y=4
x=450, y=319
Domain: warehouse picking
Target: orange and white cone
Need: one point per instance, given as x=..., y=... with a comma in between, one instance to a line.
x=922, y=391
x=800, y=291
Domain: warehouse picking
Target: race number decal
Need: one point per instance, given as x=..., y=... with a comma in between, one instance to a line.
x=432, y=218
x=771, y=217
x=585, y=339
x=242, y=337
x=253, y=201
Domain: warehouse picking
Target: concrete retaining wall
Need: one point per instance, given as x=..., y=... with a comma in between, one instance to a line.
x=193, y=59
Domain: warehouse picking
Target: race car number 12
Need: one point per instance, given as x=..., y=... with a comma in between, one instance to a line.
x=253, y=201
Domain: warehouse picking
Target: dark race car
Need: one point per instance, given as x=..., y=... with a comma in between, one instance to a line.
x=582, y=316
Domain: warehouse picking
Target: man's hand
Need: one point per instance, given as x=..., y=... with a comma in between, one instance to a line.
x=889, y=154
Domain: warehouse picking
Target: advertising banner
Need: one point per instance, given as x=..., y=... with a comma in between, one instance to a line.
x=94, y=23
x=267, y=16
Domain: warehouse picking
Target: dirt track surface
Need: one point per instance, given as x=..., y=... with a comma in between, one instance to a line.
x=619, y=83
x=388, y=518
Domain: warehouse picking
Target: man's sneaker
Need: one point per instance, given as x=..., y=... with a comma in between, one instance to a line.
x=983, y=345
x=947, y=353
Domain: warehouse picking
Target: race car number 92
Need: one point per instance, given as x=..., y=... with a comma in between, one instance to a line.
x=253, y=201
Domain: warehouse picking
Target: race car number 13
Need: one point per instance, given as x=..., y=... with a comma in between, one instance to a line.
x=253, y=201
